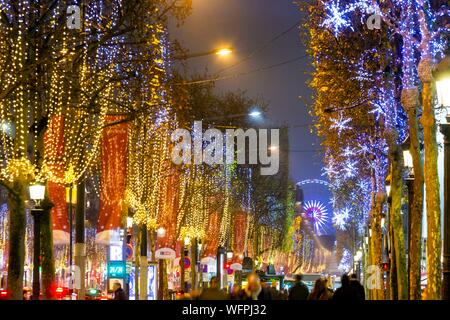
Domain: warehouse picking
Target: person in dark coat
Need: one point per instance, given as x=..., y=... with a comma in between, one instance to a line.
x=358, y=287
x=299, y=290
x=253, y=289
x=345, y=292
x=213, y=292
x=119, y=294
x=266, y=293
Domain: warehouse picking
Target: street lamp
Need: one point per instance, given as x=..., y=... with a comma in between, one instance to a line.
x=161, y=232
x=388, y=188
x=442, y=77
x=255, y=114
x=407, y=159
x=222, y=52
x=37, y=194
x=129, y=222
x=229, y=255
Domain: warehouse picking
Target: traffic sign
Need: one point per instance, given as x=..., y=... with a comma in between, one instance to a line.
x=116, y=269
x=129, y=252
x=187, y=262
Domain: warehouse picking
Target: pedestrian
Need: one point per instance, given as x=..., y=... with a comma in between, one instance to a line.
x=236, y=292
x=299, y=290
x=328, y=285
x=357, y=287
x=253, y=287
x=213, y=292
x=284, y=294
x=345, y=292
x=119, y=293
x=266, y=293
x=320, y=291
x=276, y=295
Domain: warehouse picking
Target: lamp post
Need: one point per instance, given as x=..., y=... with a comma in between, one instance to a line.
x=221, y=252
x=442, y=77
x=357, y=258
x=71, y=199
x=255, y=114
x=37, y=193
x=388, y=236
x=409, y=165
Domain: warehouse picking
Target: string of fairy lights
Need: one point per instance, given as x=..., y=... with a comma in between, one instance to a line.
x=79, y=147
x=413, y=21
x=54, y=117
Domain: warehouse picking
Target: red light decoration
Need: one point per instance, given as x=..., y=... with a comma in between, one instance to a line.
x=114, y=166
x=54, y=154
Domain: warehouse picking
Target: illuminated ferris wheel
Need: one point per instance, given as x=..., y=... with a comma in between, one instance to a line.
x=314, y=210
x=316, y=213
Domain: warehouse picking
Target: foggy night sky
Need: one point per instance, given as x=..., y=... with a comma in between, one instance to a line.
x=246, y=25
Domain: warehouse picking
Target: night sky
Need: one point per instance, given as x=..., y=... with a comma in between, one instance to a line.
x=246, y=25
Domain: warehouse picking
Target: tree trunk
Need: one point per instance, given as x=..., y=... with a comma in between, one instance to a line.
x=137, y=263
x=47, y=257
x=182, y=269
x=194, y=264
x=17, y=223
x=397, y=221
x=428, y=121
x=143, y=272
x=393, y=276
x=376, y=243
x=163, y=286
x=410, y=101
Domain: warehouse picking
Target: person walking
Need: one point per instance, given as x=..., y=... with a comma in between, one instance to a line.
x=253, y=288
x=299, y=290
x=320, y=291
x=236, y=292
x=276, y=295
x=345, y=292
x=213, y=292
x=119, y=294
x=357, y=287
x=266, y=293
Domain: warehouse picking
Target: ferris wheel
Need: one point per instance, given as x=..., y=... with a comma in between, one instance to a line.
x=313, y=209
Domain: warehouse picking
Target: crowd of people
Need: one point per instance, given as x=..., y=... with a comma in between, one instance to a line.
x=350, y=290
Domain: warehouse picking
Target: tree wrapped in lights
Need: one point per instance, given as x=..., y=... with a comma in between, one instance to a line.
x=417, y=36
x=355, y=89
x=66, y=80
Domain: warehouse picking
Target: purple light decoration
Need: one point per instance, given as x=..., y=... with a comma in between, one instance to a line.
x=316, y=213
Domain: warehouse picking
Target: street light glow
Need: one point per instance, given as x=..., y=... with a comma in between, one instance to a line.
x=37, y=192
x=129, y=222
x=254, y=114
x=224, y=52
x=161, y=232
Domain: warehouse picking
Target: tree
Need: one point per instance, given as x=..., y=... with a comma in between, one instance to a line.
x=54, y=77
